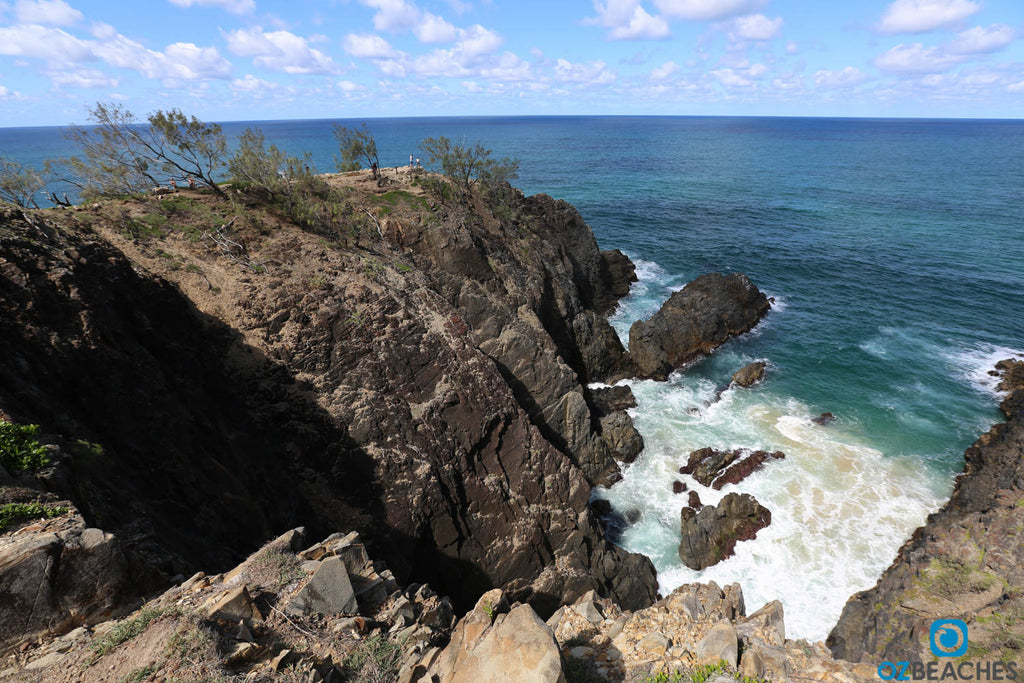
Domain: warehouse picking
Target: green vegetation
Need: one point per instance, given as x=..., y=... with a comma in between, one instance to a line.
x=374, y=661
x=17, y=512
x=122, y=157
x=254, y=164
x=466, y=164
x=272, y=567
x=20, y=185
x=948, y=578
x=19, y=449
x=702, y=674
x=356, y=147
x=125, y=630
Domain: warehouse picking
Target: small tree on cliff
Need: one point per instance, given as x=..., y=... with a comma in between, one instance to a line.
x=465, y=163
x=356, y=146
x=254, y=164
x=19, y=184
x=120, y=155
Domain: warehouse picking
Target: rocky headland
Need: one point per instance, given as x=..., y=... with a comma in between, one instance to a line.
x=413, y=369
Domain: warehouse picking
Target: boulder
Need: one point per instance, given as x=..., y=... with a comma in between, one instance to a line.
x=1011, y=374
x=59, y=576
x=695, y=321
x=678, y=487
x=720, y=643
x=710, y=536
x=750, y=374
x=234, y=606
x=491, y=644
x=329, y=591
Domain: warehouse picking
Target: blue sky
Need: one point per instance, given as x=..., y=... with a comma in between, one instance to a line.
x=275, y=59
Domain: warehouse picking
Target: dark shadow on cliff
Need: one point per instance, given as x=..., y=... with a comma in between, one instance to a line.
x=208, y=447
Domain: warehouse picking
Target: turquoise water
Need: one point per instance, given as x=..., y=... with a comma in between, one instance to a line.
x=895, y=252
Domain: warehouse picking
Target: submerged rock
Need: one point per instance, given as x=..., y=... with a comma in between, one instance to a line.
x=824, y=419
x=710, y=535
x=694, y=321
x=742, y=469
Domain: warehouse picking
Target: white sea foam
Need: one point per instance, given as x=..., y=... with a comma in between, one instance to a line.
x=974, y=365
x=840, y=509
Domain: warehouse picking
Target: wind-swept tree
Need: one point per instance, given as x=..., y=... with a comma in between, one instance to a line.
x=253, y=163
x=465, y=163
x=19, y=184
x=121, y=155
x=356, y=147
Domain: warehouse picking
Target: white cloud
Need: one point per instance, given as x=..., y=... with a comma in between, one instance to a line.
x=393, y=15
x=589, y=73
x=509, y=67
x=235, y=6
x=980, y=40
x=82, y=78
x=662, y=72
x=707, y=10
x=41, y=42
x=919, y=16
x=252, y=84
x=46, y=12
x=178, y=62
x=1016, y=87
x=628, y=20
x=756, y=27
x=844, y=78
x=349, y=86
x=434, y=29
x=792, y=48
x=279, y=51
x=367, y=46
x=916, y=60
x=730, y=78
x=477, y=40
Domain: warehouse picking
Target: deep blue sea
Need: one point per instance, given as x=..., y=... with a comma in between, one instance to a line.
x=895, y=253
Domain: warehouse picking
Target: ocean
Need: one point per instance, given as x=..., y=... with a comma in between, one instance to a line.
x=894, y=250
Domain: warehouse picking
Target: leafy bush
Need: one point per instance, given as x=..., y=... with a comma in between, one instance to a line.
x=19, y=449
x=465, y=163
x=18, y=184
x=355, y=146
x=16, y=512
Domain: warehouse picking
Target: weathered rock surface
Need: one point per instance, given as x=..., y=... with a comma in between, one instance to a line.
x=710, y=535
x=439, y=407
x=715, y=468
x=696, y=623
x=966, y=562
x=750, y=374
x=695, y=321
x=59, y=574
x=493, y=643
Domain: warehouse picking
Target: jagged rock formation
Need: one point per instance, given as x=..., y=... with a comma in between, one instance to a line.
x=710, y=534
x=694, y=321
x=966, y=562
x=697, y=625
x=425, y=384
x=715, y=468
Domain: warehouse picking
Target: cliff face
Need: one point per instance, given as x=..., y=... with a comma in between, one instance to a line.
x=419, y=376
x=966, y=562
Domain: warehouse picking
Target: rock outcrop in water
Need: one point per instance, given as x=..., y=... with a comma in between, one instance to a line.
x=966, y=562
x=695, y=321
x=424, y=382
x=710, y=535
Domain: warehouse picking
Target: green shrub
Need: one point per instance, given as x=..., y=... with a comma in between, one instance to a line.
x=19, y=449
x=16, y=512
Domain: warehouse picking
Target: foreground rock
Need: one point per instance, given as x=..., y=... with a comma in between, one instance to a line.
x=695, y=321
x=691, y=632
x=966, y=562
x=494, y=642
x=57, y=575
x=710, y=535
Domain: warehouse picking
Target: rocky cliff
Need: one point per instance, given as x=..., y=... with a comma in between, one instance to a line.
x=966, y=562
x=417, y=371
